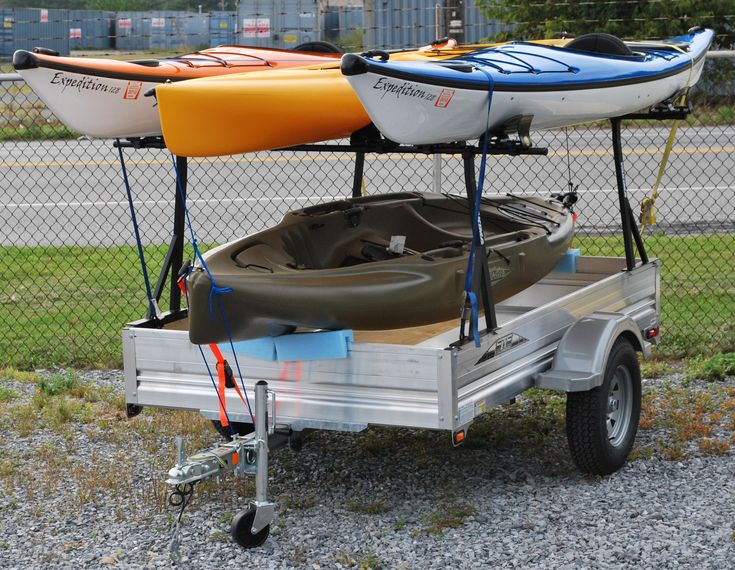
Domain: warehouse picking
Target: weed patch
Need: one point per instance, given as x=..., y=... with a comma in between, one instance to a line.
x=370, y=508
x=7, y=394
x=715, y=367
x=13, y=375
x=297, y=502
x=58, y=383
x=689, y=419
x=448, y=516
x=369, y=561
x=714, y=446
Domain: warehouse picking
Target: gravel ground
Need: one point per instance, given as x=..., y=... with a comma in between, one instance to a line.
x=87, y=493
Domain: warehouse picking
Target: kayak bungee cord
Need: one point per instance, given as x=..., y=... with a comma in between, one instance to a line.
x=153, y=310
x=215, y=290
x=520, y=62
x=478, y=237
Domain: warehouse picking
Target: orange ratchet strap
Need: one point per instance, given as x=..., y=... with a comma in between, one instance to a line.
x=225, y=378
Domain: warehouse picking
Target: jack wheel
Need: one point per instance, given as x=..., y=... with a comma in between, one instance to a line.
x=242, y=526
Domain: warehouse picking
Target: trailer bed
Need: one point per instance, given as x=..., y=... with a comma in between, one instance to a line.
x=413, y=378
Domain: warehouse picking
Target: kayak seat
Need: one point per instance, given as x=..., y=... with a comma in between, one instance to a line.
x=606, y=44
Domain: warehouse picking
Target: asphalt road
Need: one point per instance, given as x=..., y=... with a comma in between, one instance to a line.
x=72, y=192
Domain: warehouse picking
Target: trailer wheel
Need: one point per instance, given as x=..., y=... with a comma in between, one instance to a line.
x=240, y=428
x=602, y=423
x=242, y=526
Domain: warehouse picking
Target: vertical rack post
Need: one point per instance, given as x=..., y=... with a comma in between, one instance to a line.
x=358, y=175
x=437, y=173
x=480, y=272
x=622, y=194
x=177, y=243
x=630, y=229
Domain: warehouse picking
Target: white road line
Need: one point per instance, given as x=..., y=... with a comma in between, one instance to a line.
x=159, y=202
x=100, y=204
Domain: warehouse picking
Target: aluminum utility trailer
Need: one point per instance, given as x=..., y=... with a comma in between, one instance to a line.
x=576, y=332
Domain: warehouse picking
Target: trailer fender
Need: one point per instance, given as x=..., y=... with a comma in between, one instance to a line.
x=581, y=356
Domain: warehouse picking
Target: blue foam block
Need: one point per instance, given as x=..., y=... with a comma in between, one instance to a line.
x=326, y=345
x=263, y=348
x=568, y=264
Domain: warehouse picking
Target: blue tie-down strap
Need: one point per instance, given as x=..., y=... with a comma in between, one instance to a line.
x=325, y=345
x=568, y=263
x=475, y=317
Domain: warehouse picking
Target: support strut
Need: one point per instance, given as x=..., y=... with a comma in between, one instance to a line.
x=630, y=229
x=358, y=176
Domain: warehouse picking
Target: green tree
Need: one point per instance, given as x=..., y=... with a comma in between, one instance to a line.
x=628, y=19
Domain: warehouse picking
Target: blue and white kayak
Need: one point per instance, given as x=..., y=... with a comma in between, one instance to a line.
x=596, y=76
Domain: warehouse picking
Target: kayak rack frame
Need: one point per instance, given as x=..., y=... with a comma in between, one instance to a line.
x=365, y=141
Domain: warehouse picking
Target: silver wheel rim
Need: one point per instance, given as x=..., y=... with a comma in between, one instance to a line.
x=619, y=405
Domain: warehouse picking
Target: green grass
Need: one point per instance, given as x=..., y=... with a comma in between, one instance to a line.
x=35, y=132
x=697, y=289
x=66, y=306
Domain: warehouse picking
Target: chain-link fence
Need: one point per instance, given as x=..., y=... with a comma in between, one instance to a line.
x=70, y=278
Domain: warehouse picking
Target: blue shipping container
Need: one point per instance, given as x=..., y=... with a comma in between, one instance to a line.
x=132, y=31
x=278, y=23
x=222, y=28
x=7, y=20
x=91, y=29
x=341, y=21
x=395, y=24
x=34, y=27
x=161, y=30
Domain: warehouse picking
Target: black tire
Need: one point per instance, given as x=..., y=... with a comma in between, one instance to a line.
x=318, y=47
x=242, y=529
x=599, y=447
x=240, y=428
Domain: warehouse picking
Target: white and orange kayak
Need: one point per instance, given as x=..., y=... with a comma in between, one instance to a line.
x=259, y=111
x=105, y=97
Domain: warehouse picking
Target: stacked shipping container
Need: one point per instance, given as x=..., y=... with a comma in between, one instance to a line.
x=91, y=29
x=222, y=28
x=161, y=30
x=279, y=23
x=266, y=23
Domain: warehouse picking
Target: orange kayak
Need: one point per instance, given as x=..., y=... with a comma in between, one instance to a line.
x=105, y=97
x=246, y=113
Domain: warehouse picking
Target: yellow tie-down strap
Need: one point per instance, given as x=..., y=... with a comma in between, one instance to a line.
x=647, y=217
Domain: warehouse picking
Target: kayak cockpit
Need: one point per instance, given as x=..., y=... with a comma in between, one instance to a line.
x=349, y=233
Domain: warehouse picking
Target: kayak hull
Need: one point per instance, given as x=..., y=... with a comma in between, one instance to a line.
x=97, y=106
x=267, y=111
x=418, y=119
x=106, y=98
x=432, y=103
x=327, y=267
x=299, y=107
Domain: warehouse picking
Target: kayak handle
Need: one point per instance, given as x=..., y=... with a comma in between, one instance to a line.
x=373, y=53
